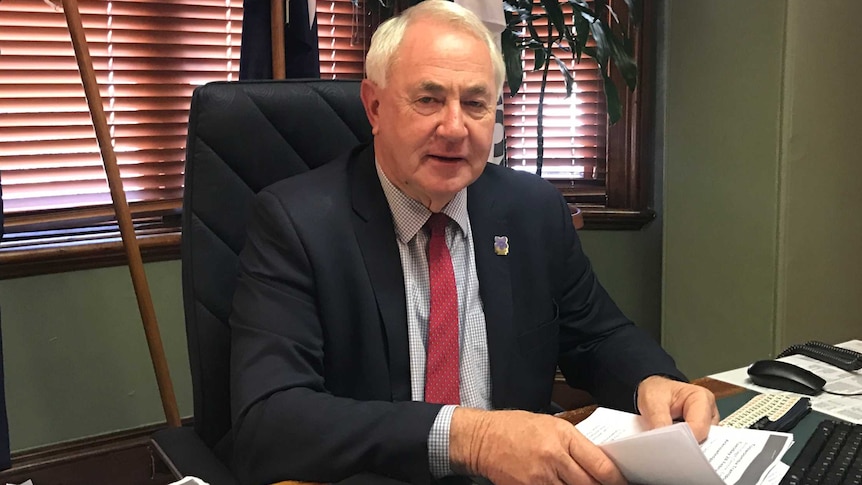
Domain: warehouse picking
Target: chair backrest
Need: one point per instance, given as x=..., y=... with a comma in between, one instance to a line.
x=244, y=136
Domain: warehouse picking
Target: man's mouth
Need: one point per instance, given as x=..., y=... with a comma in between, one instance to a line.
x=447, y=158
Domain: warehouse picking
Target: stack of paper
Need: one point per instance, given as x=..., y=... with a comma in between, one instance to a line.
x=848, y=408
x=671, y=455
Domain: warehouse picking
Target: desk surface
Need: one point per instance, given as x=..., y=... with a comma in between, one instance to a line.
x=719, y=388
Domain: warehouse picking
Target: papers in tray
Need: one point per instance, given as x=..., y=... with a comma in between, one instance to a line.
x=671, y=455
x=848, y=408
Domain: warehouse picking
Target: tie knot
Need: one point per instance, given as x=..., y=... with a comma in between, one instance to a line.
x=437, y=223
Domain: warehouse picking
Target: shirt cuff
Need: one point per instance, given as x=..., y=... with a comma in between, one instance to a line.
x=438, y=443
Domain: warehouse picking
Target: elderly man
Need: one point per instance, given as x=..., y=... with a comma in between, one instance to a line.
x=401, y=311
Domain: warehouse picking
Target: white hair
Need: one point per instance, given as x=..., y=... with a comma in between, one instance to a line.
x=389, y=36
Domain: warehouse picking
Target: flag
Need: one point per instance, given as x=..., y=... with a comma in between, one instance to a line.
x=300, y=40
x=491, y=14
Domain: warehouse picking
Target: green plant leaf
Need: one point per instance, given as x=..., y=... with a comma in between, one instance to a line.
x=635, y=11
x=622, y=59
x=599, y=5
x=508, y=7
x=582, y=30
x=615, y=107
x=521, y=14
x=512, y=57
x=603, y=43
x=570, y=39
x=613, y=14
x=555, y=13
x=567, y=76
x=539, y=54
x=583, y=10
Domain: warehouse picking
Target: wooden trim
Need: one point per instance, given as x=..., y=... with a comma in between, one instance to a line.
x=30, y=221
x=630, y=140
x=600, y=218
x=719, y=389
x=100, y=253
x=165, y=246
x=119, y=457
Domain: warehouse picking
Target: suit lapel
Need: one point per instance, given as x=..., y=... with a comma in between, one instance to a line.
x=372, y=223
x=487, y=220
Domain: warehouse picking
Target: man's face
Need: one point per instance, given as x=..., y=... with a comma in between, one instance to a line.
x=433, y=123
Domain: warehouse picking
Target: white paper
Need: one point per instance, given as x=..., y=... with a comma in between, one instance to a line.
x=671, y=455
x=735, y=454
x=775, y=474
x=837, y=380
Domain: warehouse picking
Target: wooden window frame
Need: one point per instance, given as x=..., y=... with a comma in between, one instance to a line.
x=48, y=239
x=629, y=190
x=631, y=141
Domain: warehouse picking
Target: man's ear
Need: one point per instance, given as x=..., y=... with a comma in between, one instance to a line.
x=370, y=95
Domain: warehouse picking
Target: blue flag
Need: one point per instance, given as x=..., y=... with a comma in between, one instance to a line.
x=302, y=56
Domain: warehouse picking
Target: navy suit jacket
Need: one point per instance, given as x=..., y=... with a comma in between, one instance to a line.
x=320, y=376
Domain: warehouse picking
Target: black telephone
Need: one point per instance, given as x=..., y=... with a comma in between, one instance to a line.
x=846, y=359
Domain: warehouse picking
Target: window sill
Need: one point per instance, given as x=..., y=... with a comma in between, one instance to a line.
x=100, y=252
x=604, y=219
x=163, y=245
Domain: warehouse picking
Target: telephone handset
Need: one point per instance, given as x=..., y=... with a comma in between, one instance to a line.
x=771, y=412
x=842, y=358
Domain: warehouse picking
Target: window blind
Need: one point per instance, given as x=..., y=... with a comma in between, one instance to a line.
x=341, y=33
x=575, y=128
x=148, y=57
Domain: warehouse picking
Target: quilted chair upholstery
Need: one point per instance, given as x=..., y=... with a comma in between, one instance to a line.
x=243, y=136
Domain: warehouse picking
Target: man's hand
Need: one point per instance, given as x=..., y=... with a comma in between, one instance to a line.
x=662, y=400
x=517, y=447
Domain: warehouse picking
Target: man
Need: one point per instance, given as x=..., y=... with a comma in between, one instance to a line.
x=342, y=359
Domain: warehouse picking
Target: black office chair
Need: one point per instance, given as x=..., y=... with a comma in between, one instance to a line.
x=242, y=137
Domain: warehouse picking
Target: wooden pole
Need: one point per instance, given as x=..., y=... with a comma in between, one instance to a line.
x=276, y=25
x=121, y=207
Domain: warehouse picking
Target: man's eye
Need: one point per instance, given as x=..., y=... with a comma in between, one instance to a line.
x=426, y=100
x=477, y=105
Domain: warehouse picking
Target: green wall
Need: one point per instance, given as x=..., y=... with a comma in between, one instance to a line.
x=820, y=236
x=628, y=264
x=760, y=233
x=76, y=360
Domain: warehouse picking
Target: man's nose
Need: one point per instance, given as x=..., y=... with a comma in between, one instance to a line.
x=452, y=122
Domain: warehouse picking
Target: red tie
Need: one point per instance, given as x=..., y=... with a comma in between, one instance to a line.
x=441, y=362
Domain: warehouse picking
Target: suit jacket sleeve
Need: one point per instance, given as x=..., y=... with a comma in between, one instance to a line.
x=286, y=424
x=601, y=350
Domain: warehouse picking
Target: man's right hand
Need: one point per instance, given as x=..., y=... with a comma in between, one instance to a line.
x=518, y=447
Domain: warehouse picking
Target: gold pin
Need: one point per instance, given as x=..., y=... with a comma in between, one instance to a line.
x=501, y=245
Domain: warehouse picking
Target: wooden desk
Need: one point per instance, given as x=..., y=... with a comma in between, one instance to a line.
x=575, y=416
x=719, y=388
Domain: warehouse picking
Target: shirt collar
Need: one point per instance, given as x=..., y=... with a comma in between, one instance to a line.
x=410, y=215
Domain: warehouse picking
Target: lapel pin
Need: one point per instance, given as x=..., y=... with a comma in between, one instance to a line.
x=501, y=245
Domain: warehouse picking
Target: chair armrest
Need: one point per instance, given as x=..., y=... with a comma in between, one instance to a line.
x=186, y=455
